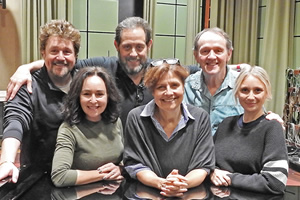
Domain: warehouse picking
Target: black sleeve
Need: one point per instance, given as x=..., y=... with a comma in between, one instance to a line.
x=193, y=68
x=109, y=63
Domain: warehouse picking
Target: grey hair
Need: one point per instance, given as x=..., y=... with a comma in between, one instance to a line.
x=132, y=23
x=217, y=31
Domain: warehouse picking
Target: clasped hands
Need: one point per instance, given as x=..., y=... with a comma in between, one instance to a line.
x=174, y=185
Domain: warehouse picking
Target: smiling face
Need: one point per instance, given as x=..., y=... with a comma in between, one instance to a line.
x=212, y=54
x=252, y=95
x=133, y=50
x=59, y=56
x=168, y=92
x=93, y=98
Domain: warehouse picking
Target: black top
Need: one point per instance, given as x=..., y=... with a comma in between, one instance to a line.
x=255, y=153
x=34, y=119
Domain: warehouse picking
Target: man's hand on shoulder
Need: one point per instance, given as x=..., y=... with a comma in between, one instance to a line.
x=271, y=116
x=22, y=76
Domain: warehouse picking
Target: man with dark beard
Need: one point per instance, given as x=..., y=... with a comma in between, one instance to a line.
x=133, y=42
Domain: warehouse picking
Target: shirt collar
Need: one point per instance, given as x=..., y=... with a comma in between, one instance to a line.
x=229, y=80
x=148, y=111
x=48, y=80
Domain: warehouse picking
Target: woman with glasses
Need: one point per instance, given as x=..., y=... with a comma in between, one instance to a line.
x=168, y=145
x=89, y=144
x=250, y=150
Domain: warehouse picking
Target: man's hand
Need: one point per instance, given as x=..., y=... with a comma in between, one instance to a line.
x=276, y=117
x=20, y=77
x=9, y=171
x=239, y=67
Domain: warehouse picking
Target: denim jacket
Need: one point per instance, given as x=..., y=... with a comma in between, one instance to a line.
x=219, y=106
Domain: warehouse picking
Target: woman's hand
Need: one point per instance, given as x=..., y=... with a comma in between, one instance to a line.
x=109, y=188
x=113, y=172
x=175, y=185
x=219, y=178
x=220, y=191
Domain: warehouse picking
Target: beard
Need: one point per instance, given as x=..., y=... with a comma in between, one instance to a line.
x=59, y=70
x=131, y=71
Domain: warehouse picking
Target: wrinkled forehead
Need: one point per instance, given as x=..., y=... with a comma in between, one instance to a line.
x=211, y=38
x=170, y=77
x=59, y=42
x=133, y=34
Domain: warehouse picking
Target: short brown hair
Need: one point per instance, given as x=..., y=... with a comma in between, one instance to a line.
x=154, y=74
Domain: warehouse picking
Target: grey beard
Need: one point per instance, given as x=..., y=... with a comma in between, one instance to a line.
x=134, y=71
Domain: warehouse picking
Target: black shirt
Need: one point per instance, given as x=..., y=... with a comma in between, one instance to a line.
x=34, y=119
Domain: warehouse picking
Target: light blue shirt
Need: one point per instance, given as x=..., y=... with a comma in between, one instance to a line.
x=219, y=106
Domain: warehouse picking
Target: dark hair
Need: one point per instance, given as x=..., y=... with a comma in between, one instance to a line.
x=217, y=31
x=132, y=23
x=154, y=74
x=72, y=110
x=60, y=28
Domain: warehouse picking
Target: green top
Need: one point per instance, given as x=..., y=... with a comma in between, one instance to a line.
x=85, y=146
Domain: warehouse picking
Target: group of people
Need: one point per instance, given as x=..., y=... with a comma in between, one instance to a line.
x=164, y=124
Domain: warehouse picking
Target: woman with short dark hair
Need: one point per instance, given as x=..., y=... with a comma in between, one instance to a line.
x=168, y=144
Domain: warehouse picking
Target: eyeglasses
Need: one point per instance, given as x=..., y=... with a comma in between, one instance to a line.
x=170, y=61
x=139, y=94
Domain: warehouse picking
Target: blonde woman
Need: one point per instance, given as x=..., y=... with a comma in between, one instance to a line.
x=250, y=150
